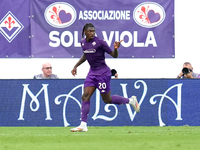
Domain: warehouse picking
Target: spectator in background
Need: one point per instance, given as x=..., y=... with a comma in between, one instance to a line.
x=47, y=72
x=114, y=74
x=187, y=72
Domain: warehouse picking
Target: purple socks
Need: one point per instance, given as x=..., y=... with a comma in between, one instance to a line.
x=85, y=108
x=116, y=99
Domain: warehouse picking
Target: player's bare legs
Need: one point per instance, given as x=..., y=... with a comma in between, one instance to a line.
x=87, y=93
x=107, y=98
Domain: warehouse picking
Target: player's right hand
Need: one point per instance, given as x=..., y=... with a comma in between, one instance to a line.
x=74, y=72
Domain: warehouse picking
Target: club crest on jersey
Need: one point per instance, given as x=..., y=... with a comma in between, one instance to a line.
x=94, y=43
x=89, y=51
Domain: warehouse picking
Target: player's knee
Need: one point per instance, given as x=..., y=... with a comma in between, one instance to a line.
x=85, y=97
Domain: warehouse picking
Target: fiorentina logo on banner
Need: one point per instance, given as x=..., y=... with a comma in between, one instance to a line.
x=149, y=14
x=10, y=26
x=60, y=15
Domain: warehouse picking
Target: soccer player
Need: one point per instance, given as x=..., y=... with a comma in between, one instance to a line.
x=99, y=74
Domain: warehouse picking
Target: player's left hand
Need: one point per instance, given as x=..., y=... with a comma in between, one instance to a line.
x=117, y=44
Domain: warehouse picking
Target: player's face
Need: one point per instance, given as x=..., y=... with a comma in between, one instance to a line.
x=90, y=33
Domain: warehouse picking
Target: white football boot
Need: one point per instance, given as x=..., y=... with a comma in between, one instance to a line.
x=81, y=128
x=134, y=103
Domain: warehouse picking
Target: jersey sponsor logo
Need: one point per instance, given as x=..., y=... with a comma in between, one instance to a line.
x=60, y=14
x=149, y=14
x=90, y=51
x=10, y=26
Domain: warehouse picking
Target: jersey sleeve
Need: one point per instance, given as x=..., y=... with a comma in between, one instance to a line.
x=105, y=47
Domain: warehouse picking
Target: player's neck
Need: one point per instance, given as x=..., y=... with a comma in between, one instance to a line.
x=88, y=40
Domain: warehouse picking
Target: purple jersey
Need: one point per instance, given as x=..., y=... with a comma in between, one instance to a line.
x=94, y=51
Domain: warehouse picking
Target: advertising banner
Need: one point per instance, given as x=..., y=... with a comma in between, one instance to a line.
x=164, y=102
x=55, y=30
x=15, y=33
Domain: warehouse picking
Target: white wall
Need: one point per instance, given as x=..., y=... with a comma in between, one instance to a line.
x=187, y=48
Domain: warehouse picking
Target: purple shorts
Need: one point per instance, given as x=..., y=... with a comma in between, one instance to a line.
x=100, y=82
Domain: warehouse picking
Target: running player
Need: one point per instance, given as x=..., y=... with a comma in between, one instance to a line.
x=99, y=74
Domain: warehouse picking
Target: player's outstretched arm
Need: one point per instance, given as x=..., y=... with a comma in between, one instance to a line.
x=81, y=60
x=114, y=53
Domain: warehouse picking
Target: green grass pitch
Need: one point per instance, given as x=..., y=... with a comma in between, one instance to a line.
x=100, y=138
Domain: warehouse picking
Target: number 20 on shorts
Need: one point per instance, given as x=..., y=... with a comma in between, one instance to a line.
x=102, y=85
